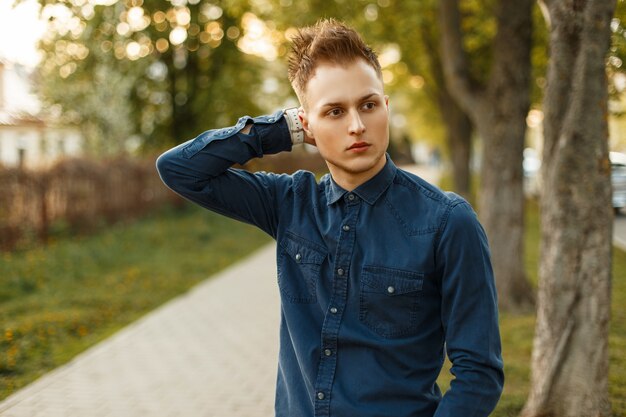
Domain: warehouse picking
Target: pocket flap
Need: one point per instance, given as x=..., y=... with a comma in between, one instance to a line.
x=301, y=250
x=390, y=281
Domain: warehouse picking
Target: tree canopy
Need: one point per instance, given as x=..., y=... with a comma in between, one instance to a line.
x=152, y=73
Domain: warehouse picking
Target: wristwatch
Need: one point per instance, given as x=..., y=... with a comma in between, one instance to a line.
x=295, y=125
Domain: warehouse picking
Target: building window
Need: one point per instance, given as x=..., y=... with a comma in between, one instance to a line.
x=21, y=157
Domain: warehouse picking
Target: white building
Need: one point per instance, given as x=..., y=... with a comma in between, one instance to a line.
x=28, y=139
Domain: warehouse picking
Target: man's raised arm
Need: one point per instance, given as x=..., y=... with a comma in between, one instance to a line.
x=199, y=169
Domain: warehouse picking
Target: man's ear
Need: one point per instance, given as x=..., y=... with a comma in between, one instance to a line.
x=304, y=119
x=387, y=102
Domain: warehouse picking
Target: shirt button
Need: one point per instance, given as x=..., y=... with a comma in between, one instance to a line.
x=333, y=310
x=391, y=290
x=320, y=395
x=328, y=352
x=346, y=227
x=351, y=197
x=298, y=257
x=340, y=272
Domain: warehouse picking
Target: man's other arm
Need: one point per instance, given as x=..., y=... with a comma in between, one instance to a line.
x=469, y=315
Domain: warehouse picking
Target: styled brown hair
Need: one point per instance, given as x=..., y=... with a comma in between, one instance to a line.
x=327, y=41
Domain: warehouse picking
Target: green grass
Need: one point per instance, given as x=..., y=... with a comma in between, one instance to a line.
x=617, y=336
x=57, y=301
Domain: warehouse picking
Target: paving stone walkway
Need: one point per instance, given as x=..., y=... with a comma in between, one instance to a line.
x=209, y=353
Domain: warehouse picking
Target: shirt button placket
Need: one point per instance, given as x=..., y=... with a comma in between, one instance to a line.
x=330, y=330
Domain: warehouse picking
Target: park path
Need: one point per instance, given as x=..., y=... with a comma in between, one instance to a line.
x=211, y=352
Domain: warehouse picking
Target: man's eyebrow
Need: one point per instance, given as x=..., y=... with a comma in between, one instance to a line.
x=338, y=103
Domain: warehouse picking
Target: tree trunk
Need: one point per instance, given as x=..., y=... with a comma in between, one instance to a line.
x=459, y=142
x=457, y=123
x=501, y=205
x=498, y=111
x=570, y=355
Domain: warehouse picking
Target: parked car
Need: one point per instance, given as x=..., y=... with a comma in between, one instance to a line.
x=618, y=180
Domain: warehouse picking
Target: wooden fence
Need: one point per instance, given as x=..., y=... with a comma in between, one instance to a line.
x=81, y=194
x=78, y=193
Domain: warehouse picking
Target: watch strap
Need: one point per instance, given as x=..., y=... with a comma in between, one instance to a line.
x=295, y=126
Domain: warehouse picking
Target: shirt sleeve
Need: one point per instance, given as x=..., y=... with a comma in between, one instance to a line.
x=469, y=315
x=200, y=170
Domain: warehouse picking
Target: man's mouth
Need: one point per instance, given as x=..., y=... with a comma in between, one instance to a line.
x=359, y=146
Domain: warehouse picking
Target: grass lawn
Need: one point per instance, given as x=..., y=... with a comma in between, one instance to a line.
x=57, y=301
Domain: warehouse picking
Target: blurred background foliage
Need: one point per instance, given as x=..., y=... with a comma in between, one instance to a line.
x=146, y=74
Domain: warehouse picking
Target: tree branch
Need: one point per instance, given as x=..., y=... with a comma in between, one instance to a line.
x=454, y=57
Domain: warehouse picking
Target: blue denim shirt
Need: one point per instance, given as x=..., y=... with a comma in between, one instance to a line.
x=376, y=284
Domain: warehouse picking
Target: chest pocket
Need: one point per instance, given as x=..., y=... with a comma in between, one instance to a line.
x=299, y=266
x=389, y=300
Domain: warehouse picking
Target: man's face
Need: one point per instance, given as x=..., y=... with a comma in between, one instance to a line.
x=347, y=115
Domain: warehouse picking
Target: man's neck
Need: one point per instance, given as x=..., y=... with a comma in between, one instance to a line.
x=350, y=181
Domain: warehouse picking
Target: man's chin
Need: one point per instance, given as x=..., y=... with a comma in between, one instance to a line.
x=357, y=166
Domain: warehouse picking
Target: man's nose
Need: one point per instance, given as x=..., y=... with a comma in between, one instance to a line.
x=356, y=124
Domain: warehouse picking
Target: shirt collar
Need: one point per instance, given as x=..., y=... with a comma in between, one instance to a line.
x=369, y=191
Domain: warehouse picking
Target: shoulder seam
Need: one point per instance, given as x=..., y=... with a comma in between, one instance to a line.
x=444, y=219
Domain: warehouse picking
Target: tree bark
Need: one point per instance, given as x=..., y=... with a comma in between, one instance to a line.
x=570, y=354
x=459, y=142
x=498, y=111
x=458, y=125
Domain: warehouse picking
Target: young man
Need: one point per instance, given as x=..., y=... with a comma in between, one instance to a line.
x=379, y=272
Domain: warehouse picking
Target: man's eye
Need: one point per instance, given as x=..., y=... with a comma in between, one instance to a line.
x=335, y=112
x=369, y=105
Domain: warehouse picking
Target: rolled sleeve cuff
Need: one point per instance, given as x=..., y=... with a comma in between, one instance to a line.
x=272, y=131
